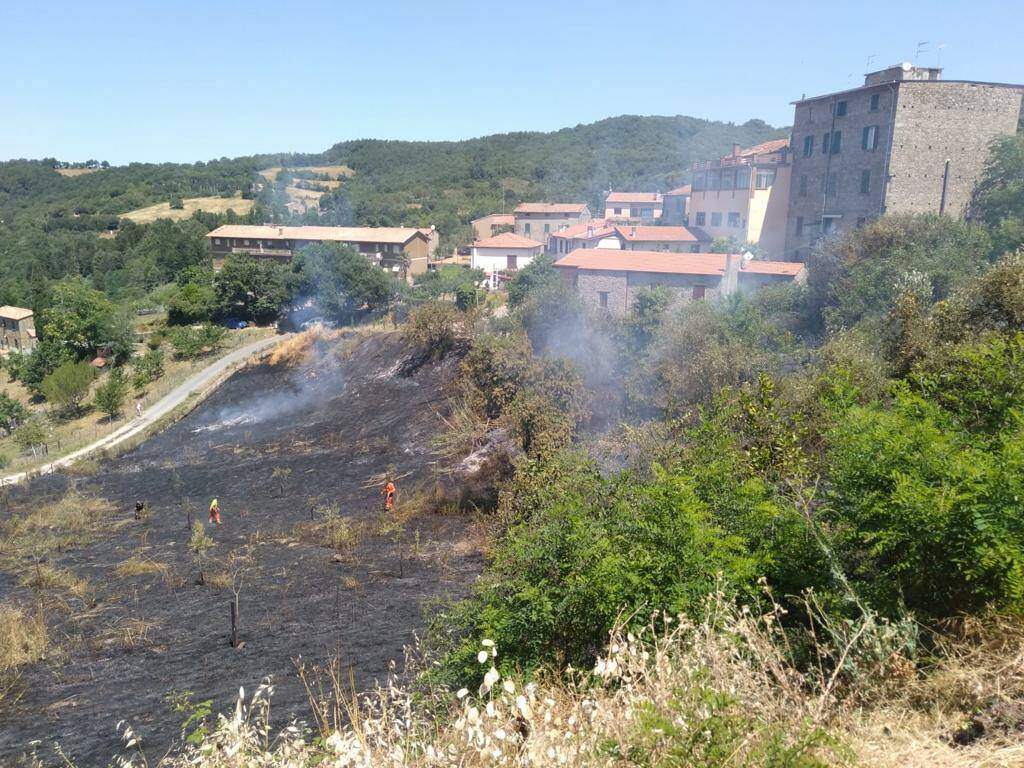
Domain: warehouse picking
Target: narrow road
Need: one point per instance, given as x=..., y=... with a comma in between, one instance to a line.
x=198, y=381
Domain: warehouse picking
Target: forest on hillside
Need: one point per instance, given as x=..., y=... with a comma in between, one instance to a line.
x=50, y=224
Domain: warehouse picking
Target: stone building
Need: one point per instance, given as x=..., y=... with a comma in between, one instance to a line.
x=403, y=251
x=610, y=279
x=904, y=142
x=17, y=329
x=538, y=221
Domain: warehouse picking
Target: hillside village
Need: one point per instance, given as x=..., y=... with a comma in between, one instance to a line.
x=723, y=466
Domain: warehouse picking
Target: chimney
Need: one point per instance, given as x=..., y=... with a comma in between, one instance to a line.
x=632, y=231
x=735, y=150
x=731, y=278
x=280, y=230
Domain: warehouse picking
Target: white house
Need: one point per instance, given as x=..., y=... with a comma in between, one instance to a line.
x=506, y=252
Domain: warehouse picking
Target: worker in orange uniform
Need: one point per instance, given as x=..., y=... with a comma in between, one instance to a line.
x=389, y=496
x=215, y=512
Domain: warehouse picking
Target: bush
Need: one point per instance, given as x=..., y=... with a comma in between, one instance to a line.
x=434, y=327
x=68, y=385
x=192, y=303
x=147, y=368
x=193, y=342
x=12, y=413
x=111, y=394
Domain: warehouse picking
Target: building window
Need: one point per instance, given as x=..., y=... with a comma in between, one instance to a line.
x=547, y=228
x=716, y=218
x=803, y=185
x=832, y=185
x=869, y=138
x=695, y=248
x=734, y=219
x=602, y=297
x=799, y=225
x=526, y=227
x=826, y=224
x=764, y=179
x=216, y=241
x=728, y=179
x=245, y=242
x=808, y=146
x=511, y=261
x=825, y=143
x=865, y=182
x=743, y=178
x=874, y=102
x=701, y=218
x=646, y=213
x=700, y=182
x=837, y=141
x=698, y=292
x=618, y=211
x=840, y=109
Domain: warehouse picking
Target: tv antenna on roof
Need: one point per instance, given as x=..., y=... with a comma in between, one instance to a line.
x=867, y=64
x=922, y=47
x=938, y=55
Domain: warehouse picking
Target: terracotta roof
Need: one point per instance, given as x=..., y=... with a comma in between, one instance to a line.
x=497, y=218
x=660, y=234
x=658, y=262
x=400, y=235
x=550, y=207
x=14, y=313
x=686, y=189
x=764, y=148
x=661, y=262
x=758, y=267
x=507, y=240
x=633, y=197
x=586, y=230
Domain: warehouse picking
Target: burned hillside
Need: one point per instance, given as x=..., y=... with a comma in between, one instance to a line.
x=296, y=450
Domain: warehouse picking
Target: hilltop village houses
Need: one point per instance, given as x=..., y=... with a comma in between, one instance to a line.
x=633, y=207
x=504, y=253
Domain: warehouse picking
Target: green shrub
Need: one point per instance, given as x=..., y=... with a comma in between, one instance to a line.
x=111, y=394
x=192, y=342
x=68, y=385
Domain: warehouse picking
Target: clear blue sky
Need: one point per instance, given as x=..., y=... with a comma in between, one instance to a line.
x=192, y=79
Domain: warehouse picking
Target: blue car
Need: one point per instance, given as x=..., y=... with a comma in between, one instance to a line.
x=234, y=324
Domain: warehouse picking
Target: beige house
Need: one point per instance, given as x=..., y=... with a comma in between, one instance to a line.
x=403, y=251
x=638, y=207
x=610, y=280
x=538, y=221
x=674, y=205
x=489, y=226
x=18, y=329
x=744, y=196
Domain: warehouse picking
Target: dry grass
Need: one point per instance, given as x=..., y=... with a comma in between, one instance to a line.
x=302, y=347
x=43, y=577
x=336, y=172
x=144, y=566
x=24, y=640
x=43, y=527
x=212, y=204
x=219, y=580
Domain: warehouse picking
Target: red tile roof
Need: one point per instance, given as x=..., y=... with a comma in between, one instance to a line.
x=661, y=262
x=586, y=230
x=764, y=148
x=633, y=197
x=758, y=267
x=658, y=262
x=400, y=235
x=550, y=207
x=660, y=234
x=507, y=240
x=686, y=189
x=497, y=218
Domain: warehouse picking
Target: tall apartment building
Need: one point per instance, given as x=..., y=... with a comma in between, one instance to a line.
x=904, y=142
x=743, y=195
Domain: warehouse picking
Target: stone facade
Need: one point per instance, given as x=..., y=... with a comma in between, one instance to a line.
x=17, y=330
x=882, y=148
x=620, y=288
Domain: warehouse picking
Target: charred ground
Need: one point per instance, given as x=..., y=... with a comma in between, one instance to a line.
x=331, y=427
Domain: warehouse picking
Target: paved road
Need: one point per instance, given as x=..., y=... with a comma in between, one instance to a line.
x=196, y=382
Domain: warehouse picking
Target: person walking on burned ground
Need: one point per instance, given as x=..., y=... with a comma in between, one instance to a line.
x=389, y=495
x=215, y=512
x=140, y=507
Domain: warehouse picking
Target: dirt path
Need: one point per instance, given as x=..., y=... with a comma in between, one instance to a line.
x=197, y=382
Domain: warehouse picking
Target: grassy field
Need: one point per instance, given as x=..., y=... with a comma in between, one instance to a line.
x=192, y=204
x=70, y=172
x=336, y=172
x=67, y=435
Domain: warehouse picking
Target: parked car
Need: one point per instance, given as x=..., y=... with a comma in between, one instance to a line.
x=234, y=324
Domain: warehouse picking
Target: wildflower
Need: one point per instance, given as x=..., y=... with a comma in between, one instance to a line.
x=462, y=693
x=482, y=657
x=509, y=686
x=487, y=643
x=490, y=679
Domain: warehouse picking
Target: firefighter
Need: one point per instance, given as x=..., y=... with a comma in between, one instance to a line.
x=389, y=495
x=215, y=512
x=140, y=506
